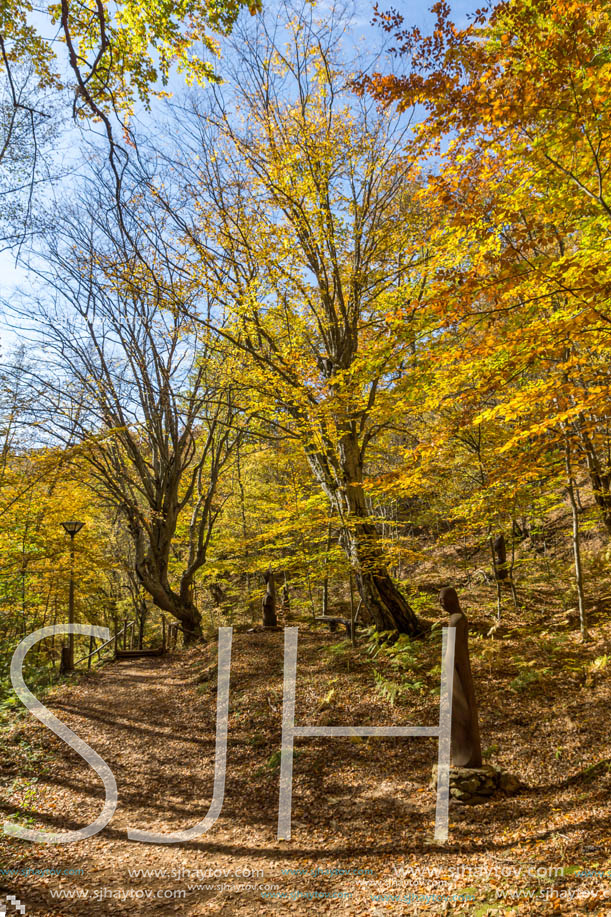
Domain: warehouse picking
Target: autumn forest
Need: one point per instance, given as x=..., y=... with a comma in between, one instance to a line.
x=306, y=317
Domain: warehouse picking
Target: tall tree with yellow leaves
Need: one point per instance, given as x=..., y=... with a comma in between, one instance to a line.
x=302, y=223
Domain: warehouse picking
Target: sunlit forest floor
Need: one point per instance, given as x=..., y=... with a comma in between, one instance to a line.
x=362, y=808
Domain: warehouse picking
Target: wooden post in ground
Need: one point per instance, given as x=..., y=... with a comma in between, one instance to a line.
x=89, y=658
x=163, y=643
x=124, y=633
x=465, y=742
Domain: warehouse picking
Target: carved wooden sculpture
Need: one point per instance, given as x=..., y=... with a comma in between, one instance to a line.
x=269, y=601
x=465, y=749
x=500, y=558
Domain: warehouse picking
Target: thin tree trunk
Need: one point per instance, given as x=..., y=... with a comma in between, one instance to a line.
x=352, y=614
x=325, y=582
x=142, y=614
x=576, y=541
x=514, y=592
x=243, y=519
x=599, y=474
x=496, y=576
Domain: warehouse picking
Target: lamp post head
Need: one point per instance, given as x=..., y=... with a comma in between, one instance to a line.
x=72, y=527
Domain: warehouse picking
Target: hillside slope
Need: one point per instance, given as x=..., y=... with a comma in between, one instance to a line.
x=361, y=808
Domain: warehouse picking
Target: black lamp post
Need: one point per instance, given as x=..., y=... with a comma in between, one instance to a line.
x=71, y=527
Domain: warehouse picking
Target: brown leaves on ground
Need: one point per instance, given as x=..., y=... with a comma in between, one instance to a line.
x=362, y=809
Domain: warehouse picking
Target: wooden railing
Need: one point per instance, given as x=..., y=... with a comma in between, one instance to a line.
x=169, y=634
x=127, y=627
x=169, y=639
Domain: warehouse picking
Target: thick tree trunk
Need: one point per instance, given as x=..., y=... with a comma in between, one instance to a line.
x=152, y=571
x=191, y=622
x=188, y=614
x=386, y=607
x=382, y=602
x=180, y=606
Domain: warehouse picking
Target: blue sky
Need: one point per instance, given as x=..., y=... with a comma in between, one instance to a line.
x=14, y=276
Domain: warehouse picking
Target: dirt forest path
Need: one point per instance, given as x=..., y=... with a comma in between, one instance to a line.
x=360, y=809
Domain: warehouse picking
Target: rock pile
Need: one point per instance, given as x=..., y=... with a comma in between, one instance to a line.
x=471, y=785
